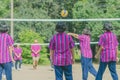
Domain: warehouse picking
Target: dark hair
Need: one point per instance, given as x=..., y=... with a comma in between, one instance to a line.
x=15, y=45
x=60, y=27
x=107, y=26
x=86, y=31
x=3, y=28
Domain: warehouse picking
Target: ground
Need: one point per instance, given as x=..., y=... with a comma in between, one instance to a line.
x=46, y=73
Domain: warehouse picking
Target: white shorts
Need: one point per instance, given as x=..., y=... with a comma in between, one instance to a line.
x=36, y=58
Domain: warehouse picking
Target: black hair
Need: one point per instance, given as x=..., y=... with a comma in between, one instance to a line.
x=86, y=31
x=15, y=45
x=3, y=28
x=60, y=27
x=107, y=26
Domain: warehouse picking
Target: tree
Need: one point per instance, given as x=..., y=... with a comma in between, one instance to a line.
x=28, y=36
x=4, y=8
x=88, y=10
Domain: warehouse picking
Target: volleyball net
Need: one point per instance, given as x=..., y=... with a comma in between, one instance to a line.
x=51, y=22
x=25, y=31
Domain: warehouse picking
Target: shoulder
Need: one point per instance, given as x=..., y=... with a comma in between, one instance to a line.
x=54, y=36
x=20, y=48
x=102, y=35
x=6, y=34
x=81, y=36
x=113, y=33
x=32, y=45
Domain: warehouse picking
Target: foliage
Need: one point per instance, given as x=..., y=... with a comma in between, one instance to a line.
x=30, y=35
x=86, y=10
x=4, y=8
x=50, y=9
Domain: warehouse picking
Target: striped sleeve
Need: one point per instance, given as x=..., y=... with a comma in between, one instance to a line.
x=10, y=41
x=52, y=44
x=72, y=44
x=81, y=37
x=116, y=41
x=101, y=40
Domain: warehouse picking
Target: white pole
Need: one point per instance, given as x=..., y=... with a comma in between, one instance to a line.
x=12, y=4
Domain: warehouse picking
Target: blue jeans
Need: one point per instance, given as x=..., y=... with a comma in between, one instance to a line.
x=112, y=68
x=18, y=64
x=8, y=70
x=87, y=67
x=67, y=70
x=3, y=72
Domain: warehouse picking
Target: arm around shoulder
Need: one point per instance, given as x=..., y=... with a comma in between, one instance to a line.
x=74, y=35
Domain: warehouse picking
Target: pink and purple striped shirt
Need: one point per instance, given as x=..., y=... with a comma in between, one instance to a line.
x=35, y=47
x=5, y=42
x=85, y=46
x=17, y=51
x=61, y=43
x=109, y=43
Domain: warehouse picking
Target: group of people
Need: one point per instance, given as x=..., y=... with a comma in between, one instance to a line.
x=62, y=52
x=10, y=53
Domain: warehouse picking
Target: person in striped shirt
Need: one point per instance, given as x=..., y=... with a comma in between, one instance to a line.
x=6, y=47
x=86, y=53
x=61, y=52
x=108, y=51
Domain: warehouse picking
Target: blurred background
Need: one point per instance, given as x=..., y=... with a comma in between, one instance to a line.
x=27, y=31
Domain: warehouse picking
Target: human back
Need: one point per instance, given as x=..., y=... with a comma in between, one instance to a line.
x=5, y=42
x=85, y=45
x=109, y=43
x=6, y=48
x=62, y=53
x=62, y=43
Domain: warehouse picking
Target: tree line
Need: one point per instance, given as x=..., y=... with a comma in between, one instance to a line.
x=26, y=32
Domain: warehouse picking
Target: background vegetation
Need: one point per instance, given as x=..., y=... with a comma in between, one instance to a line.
x=26, y=32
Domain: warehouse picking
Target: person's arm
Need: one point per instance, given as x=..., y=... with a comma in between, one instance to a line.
x=74, y=35
x=72, y=52
x=20, y=53
x=37, y=51
x=33, y=51
x=117, y=54
x=51, y=55
x=16, y=54
x=10, y=51
x=99, y=51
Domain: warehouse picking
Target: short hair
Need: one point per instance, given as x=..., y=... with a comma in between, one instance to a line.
x=107, y=26
x=86, y=31
x=3, y=28
x=60, y=27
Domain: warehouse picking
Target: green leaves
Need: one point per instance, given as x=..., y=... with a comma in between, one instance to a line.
x=50, y=9
x=4, y=8
x=89, y=9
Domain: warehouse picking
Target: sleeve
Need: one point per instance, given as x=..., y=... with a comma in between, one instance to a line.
x=10, y=41
x=116, y=41
x=52, y=44
x=21, y=50
x=40, y=47
x=72, y=44
x=81, y=37
x=31, y=47
x=101, y=40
